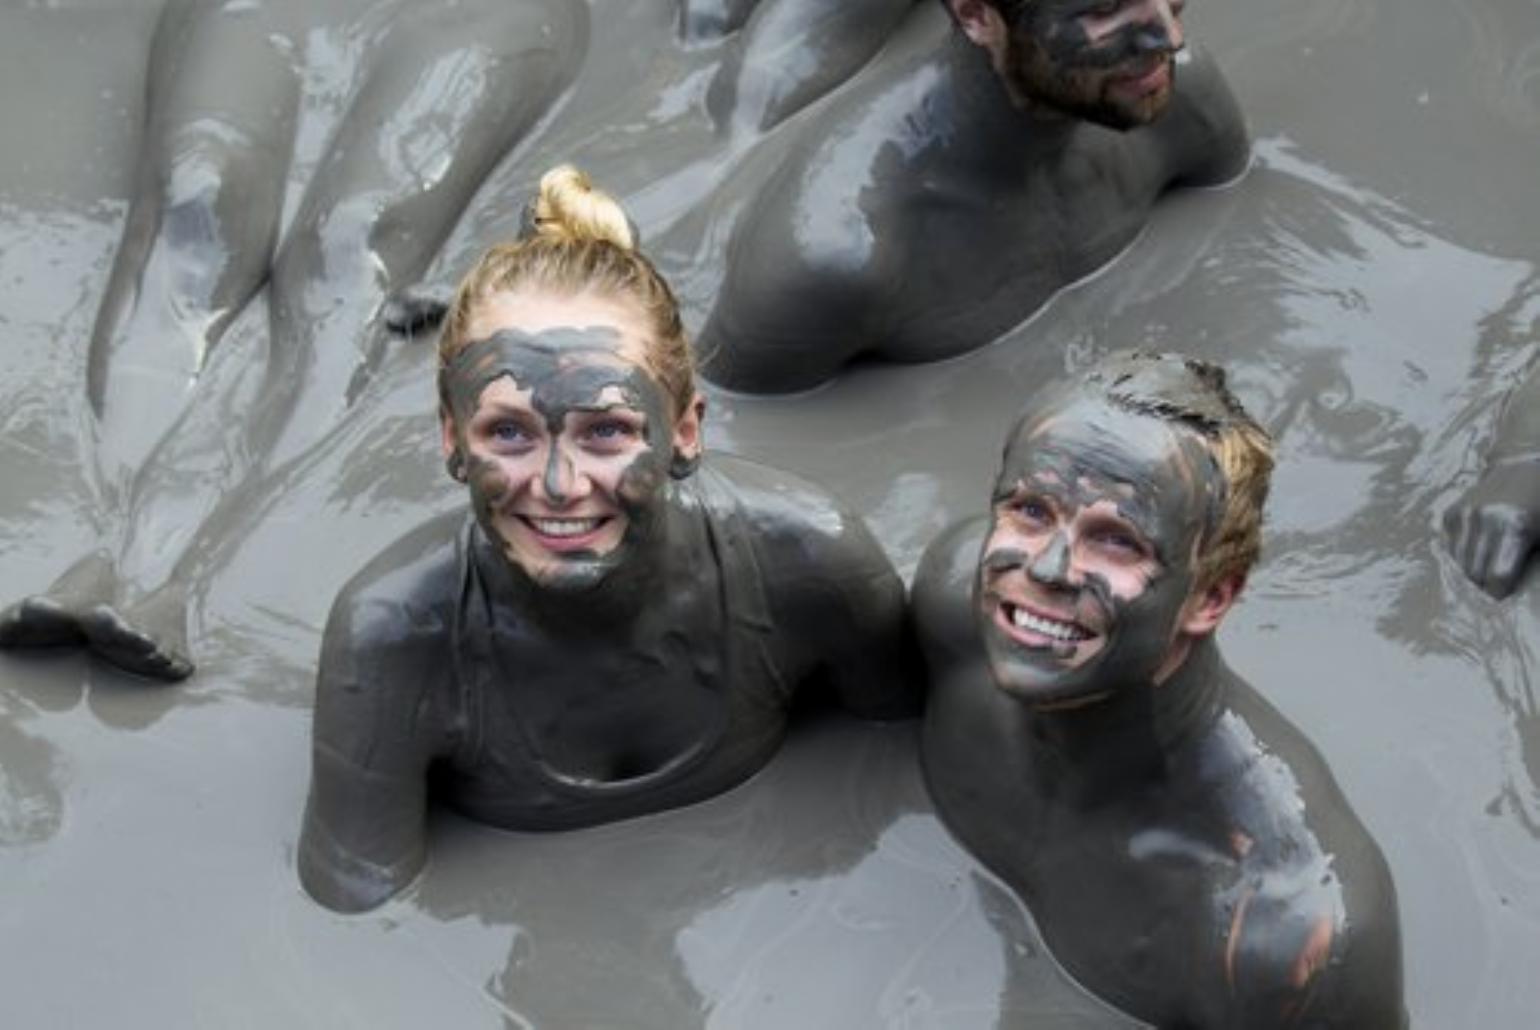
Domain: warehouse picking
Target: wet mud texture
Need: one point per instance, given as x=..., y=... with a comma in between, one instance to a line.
x=1371, y=283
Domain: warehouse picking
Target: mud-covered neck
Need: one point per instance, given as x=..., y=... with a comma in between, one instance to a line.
x=1096, y=752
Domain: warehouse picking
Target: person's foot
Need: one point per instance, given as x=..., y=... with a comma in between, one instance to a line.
x=53, y=618
x=147, y=638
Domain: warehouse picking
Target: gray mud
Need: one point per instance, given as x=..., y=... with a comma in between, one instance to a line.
x=1372, y=284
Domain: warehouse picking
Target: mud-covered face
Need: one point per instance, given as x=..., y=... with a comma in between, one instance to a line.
x=565, y=441
x=1111, y=62
x=1098, y=513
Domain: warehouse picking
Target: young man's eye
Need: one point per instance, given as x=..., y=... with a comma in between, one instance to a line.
x=1121, y=542
x=1033, y=510
x=610, y=430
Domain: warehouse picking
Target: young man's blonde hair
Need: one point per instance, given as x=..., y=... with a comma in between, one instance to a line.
x=1242, y=449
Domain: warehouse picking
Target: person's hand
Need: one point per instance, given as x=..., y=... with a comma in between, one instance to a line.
x=1492, y=528
x=415, y=310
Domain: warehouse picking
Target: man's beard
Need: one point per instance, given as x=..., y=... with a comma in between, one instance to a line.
x=1079, y=91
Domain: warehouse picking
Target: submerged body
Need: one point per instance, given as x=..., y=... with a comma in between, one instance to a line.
x=923, y=210
x=616, y=628
x=1222, y=882
x=441, y=95
x=433, y=683
x=1183, y=848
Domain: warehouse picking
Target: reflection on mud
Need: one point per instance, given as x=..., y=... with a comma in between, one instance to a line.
x=31, y=804
x=727, y=914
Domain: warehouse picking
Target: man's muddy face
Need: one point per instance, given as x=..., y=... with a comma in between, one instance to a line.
x=564, y=439
x=1090, y=560
x=1111, y=62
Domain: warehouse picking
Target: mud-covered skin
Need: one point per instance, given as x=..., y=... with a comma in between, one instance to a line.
x=789, y=53
x=1183, y=849
x=442, y=95
x=571, y=370
x=918, y=213
x=1495, y=525
x=433, y=657
x=1161, y=483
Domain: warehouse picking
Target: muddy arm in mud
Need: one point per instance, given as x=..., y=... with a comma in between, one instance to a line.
x=379, y=723
x=1495, y=524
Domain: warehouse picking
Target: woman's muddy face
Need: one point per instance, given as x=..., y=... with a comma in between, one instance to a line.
x=564, y=436
x=1111, y=62
x=1090, y=559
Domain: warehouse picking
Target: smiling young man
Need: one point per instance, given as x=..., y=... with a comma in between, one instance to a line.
x=1183, y=848
x=993, y=153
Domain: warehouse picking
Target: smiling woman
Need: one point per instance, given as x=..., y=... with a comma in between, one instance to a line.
x=619, y=626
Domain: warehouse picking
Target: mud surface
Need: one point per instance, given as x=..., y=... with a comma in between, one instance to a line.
x=1372, y=285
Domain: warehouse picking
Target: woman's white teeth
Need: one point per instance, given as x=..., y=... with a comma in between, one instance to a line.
x=1024, y=619
x=565, y=527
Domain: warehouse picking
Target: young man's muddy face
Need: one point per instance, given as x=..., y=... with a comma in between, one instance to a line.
x=565, y=441
x=1083, y=579
x=1111, y=62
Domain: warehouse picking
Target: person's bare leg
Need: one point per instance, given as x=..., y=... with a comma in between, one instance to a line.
x=221, y=98
x=447, y=93
x=221, y=104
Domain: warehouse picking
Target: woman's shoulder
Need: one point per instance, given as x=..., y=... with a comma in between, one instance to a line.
x=803, y=537
x=410, y=582
x=772, y=503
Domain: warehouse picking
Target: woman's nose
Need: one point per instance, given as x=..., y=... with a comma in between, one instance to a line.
x=562, y=481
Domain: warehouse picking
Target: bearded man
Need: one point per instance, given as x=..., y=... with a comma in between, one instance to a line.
x=972, y=170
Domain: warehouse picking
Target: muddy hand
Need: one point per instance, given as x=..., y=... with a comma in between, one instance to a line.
x=415, y=311
x=1493, y=527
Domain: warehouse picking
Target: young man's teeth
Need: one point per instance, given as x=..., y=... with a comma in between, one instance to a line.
x=1058, y=630
x=565, y=527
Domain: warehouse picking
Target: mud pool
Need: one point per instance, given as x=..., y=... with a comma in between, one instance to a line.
x=1372, y=284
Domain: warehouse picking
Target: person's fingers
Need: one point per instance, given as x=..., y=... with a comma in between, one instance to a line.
x=1465, y=543
x=1484, y=530
x=1512, y=549
x=1456, y=523
x=1453, y=516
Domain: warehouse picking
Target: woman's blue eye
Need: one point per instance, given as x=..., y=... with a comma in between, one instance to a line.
x=508, y=432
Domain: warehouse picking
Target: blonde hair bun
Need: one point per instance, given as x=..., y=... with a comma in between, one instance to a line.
x=570, y=208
